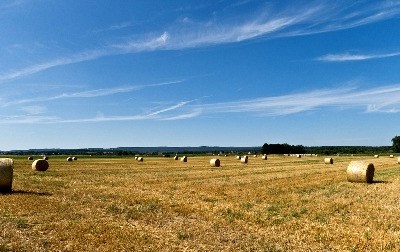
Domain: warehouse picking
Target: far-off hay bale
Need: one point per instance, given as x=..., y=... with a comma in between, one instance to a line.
x=360, y=171
x=328, y=160
x=184, y=159
x=238, y=157
x=391, y=156
x=140, y=159
x=215, y=162
x=136, y=158
x=74, y=158
x=254, y=155
x=376, y=156
x=176, y=158
x=45, y=157
x=398, y=160
x=40, y=165
x=6, y=174
x=30, y=158
x=298, y=156
x=69, y=159
x=244, y=159
x=264, y=157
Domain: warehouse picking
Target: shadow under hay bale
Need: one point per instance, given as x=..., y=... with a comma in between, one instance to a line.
x=40, y=165
x=6, y=174
x=360, y=172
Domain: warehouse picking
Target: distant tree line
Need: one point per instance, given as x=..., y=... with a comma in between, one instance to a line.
x=282, y=149
x=333, y=150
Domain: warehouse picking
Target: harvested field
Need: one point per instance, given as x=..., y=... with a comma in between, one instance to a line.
x=119, y=204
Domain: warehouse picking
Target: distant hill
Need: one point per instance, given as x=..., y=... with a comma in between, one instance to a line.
x=135, y=150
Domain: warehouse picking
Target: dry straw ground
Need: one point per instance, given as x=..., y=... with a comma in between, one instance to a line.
x=283, y=204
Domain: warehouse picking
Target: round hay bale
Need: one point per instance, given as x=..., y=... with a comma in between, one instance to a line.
x=215, y=162
x=74, y=158
x=298, y=156
x=176, y=158
x=360, y=171
x=45, y=158
x=254, y=155
x=30, y=158
x=140, y=159
x=328, y=160
x=6, y=174
x=40, y=165
x=69, y=159
x=136, y=158
x=184, y=159
x=244, y=159
x=264, y=157
x=238, y=157
x=376, y=156
x=391, y=156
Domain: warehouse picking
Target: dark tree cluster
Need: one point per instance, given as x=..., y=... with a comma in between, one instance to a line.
x=283, y=149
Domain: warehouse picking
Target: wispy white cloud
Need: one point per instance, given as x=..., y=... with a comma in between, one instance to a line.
x=355, y=57
x=80, y=57
x=381, y=99
x=384, y=99
x=34, y=110
x=87, y=94
x=294, y=20
x=160, y=114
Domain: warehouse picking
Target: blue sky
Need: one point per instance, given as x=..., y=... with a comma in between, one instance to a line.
x=78, y=74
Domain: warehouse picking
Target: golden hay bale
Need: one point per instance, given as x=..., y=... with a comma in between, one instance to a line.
x=176, y=158
x=140, y=159
x=360, y=171
x=45, y=157
x=30, y=158
x=376, y=156
x=6, y=174
x=391, y=156
x=69, y=159
x=215, y=162
x=264, y=157
x=40, y=165
x=74, y=158
x=244, y=159
x=238, y=157
x=184, y=159
x=328, y=160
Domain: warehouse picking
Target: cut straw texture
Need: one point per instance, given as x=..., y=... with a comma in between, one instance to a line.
x=6, y=174
x=360, y=171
